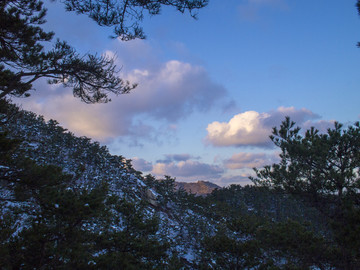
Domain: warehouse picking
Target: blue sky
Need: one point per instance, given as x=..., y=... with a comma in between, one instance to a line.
x=211, y=89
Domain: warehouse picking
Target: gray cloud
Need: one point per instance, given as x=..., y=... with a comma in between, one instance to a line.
x=174, y=91
x=141, y=164
x=175, y=157
x=180, y=157
x=250, y=160
x=321, y=125
x=190, y=170
x=242, y=180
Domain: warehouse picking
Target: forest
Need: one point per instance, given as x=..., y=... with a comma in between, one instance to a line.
x=67, y=203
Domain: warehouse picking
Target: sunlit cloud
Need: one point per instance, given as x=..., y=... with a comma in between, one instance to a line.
x=252, y=128
x=167, y=93
x=243, y=129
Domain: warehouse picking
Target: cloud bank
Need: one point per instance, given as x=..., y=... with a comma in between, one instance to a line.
x=168, y=92
x=188, y=169
x=175, y=158
x=181, y=166
x=250, y=160
x=192, y=171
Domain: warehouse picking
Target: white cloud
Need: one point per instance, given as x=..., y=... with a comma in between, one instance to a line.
x=252, y=128
x=243, y=129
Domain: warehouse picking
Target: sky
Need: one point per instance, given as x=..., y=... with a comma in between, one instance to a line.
x=210, y=90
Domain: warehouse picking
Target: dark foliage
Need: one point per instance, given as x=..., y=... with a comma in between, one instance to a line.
x=323, y=170
x=104, y=214
x=49, y=220
x=125, y=16
x=23, y=59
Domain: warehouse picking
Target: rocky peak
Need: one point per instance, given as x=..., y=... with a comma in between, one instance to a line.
x=200, y=188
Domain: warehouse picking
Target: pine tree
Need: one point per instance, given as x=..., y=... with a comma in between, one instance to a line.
x=23, y=58
x=323, y=170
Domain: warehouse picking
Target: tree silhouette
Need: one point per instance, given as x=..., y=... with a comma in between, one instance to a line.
x=23, y=58
x=323, y=170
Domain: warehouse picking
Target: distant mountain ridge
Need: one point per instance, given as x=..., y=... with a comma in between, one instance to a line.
x=200, y=188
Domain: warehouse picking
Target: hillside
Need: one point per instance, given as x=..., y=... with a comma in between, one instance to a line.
x=67, y=202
